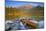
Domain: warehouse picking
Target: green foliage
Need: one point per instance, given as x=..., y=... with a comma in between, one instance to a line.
x=36, y=12
x=11, y=11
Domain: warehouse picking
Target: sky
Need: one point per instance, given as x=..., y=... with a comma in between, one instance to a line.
x=21, y=3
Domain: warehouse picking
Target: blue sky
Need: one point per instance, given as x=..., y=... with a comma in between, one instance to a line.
x=20, y=3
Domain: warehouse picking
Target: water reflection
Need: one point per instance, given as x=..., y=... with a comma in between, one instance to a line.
x=21, y=24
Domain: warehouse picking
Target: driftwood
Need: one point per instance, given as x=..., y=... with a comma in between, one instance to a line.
x=30, y=24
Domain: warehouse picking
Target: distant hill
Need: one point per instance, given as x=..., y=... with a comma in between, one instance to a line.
x=24, y=7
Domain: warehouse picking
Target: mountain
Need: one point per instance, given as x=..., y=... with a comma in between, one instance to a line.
x=25, y=7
